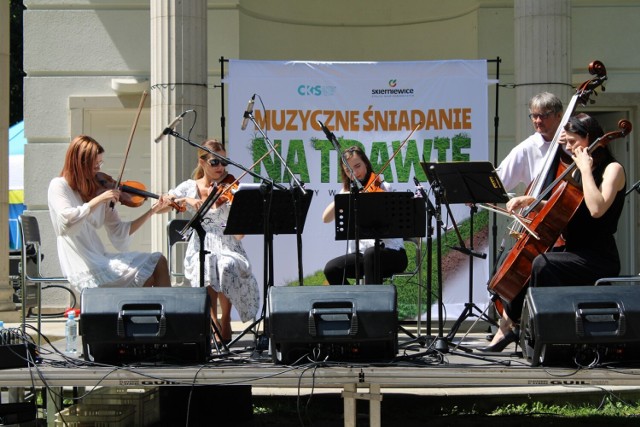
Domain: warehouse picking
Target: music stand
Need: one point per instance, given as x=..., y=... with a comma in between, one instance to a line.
x=380, y=215
x=469, y=183
x=261, y=209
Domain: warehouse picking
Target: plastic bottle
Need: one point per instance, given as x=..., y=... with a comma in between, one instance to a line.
x=2, y=333
x=71, y=333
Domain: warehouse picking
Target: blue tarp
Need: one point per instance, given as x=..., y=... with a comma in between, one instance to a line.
x=16, y=181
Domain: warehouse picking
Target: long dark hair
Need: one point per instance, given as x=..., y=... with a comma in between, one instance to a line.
x=349, y=153
x=587, y=127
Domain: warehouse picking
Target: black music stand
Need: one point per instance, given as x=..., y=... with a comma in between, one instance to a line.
x=196, y=224
x=469, y=183
x=261, y=209
x=380, y=215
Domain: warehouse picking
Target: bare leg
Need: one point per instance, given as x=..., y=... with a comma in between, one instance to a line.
x=160, y=276
x=225, y=318
x=213, y=296
x=506, y=325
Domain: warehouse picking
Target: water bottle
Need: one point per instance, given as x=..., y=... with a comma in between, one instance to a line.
x=2, y=334
x=71, y=332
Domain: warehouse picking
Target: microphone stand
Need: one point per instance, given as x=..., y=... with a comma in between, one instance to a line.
x=355, y=188
x=295, y=196
x=196, y=220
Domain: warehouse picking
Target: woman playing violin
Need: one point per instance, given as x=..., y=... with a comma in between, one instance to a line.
x=590, y=251
x=79, y=206
x=228, y=275
x=393, y=258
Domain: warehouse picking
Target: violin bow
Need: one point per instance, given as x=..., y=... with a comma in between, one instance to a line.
x=364, y=190
x=133, y=131
x=228, y=187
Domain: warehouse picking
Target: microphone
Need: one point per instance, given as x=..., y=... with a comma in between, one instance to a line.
x=247, y=112
x=171, y=126
x=420, y=188
x=330, y=136
x=468, y=251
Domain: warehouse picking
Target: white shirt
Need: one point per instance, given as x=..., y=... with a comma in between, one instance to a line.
x=524, y=162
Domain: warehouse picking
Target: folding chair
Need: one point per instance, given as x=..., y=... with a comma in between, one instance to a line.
x=174, y=257
x=31, y=257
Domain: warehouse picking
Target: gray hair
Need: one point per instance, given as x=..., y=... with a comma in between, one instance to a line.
x=545, y=101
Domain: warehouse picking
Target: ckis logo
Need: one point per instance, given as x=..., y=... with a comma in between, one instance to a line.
x=393, y=83
x=316, y=90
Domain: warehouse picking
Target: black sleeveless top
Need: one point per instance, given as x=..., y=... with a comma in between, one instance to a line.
x=584, y=232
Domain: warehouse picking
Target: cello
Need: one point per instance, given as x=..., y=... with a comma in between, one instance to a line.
x=548, y=224
x=515, y=270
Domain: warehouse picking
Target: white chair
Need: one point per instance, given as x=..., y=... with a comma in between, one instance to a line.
x=174, y=240
x=30, y=274
x=412, y=269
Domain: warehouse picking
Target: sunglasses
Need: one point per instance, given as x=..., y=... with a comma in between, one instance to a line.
x=216, y=162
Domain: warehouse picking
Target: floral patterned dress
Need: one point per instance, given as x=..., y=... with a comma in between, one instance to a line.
x=227, y=268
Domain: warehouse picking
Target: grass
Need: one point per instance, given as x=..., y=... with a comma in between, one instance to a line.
x=413, y=411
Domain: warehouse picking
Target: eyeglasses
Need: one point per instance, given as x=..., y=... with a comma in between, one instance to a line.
x=216, y=162
x=535, y=116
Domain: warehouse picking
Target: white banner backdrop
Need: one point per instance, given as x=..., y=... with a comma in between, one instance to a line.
x=372, y=104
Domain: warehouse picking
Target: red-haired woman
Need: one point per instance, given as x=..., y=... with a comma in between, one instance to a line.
x=78, y=207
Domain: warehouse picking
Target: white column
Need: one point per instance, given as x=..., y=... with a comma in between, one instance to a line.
x=542, y=33
x=178, y=83
x=6, y=291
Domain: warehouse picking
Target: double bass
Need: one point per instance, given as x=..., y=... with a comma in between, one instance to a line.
x=545, y=227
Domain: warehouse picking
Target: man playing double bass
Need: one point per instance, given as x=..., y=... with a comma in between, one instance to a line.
x=525, y=161
x=590, y=251
x=523, y=164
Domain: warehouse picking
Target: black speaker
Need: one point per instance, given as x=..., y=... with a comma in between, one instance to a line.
x=126, y=325
x=345, y=323
x=580, y=325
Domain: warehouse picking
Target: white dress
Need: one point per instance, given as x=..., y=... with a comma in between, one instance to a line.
x=83, y=258
x=227, y=268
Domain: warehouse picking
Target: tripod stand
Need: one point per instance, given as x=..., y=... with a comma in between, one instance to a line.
x=262, y=209
x=470, y=183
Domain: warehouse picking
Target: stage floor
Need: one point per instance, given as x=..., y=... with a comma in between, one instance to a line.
x=417, y=368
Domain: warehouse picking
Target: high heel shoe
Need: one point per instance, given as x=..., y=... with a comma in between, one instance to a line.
x=510, y=337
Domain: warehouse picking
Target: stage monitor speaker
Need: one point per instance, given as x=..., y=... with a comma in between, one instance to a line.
x=140, y=325
x=581, y=325
x=337, y=323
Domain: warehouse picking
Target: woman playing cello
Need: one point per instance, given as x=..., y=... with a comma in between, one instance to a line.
x=590, y=251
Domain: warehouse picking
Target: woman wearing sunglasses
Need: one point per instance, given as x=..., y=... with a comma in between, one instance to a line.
x=228, y=275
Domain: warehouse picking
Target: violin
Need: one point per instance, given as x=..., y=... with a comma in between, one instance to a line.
x=374, y=184
x=226, y=190
x=134, y=193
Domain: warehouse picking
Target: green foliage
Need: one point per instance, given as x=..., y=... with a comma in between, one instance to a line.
x=608, y=408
